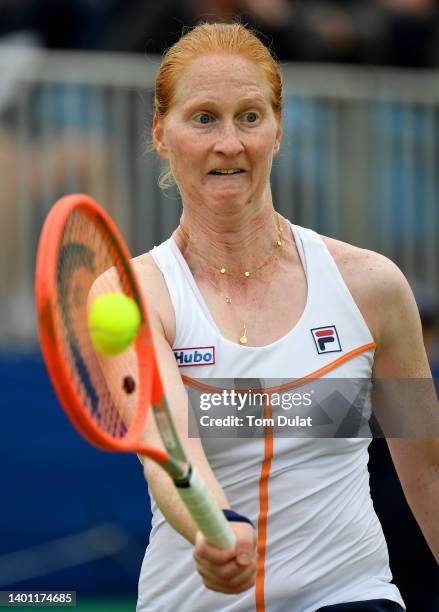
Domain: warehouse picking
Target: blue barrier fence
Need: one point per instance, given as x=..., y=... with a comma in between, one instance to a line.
x=72, y=517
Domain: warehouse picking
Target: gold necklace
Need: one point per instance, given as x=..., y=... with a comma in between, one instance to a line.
x=222, y=269
x=247, y=273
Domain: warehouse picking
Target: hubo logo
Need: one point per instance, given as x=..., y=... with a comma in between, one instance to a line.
x=326, y=339
x=195, y=356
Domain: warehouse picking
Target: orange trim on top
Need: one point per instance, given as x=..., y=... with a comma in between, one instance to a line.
x=196, y=384
x=324, y=370
x=263, y=511
x=268, y=456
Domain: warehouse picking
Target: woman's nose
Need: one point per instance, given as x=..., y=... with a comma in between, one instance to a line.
x=229, y=140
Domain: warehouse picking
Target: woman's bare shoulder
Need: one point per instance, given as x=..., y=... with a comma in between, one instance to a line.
x=156, y=294
x=375, y=282
x=145, y=265
x=355, y=258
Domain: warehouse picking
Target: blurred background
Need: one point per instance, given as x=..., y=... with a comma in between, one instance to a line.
x=359, y=162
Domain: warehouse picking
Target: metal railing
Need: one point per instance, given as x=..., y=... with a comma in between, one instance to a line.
x=359, y=160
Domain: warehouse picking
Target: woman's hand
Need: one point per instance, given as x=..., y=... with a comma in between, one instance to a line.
x=228, y=571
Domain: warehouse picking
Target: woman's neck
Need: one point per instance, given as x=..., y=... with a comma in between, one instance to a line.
x=237, y=244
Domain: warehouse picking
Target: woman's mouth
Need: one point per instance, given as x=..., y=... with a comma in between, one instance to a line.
x=226, y=171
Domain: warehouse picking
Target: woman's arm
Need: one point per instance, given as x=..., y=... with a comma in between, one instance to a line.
x=410, y=403
x=161, y=485
x=222, y=570
x=401, y=355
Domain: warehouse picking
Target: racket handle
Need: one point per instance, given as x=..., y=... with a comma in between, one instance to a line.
x=205, y=512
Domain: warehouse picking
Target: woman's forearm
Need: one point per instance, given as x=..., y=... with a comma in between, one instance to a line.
x=169, y=502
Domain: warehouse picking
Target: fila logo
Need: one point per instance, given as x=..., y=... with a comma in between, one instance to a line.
x=326, y=339
x=195, y=356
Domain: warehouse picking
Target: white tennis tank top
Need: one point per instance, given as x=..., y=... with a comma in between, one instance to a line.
x=320, y=541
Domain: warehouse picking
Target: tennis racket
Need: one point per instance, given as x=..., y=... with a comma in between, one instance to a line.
x=81, y=253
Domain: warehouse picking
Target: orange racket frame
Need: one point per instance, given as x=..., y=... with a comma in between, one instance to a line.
x=150, y=386
x=189, y=484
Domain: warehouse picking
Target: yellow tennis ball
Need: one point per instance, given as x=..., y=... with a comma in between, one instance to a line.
x=113, y=321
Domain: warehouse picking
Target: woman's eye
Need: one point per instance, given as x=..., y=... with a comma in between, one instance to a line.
x=251, y=117
x=203, y=118
x=206, y=118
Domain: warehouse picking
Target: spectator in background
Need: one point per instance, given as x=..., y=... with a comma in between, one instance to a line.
x=59, y=25
x=300, y=30
x=387, y=32
x=305, y=30
x=380, y=32
x=411, y=32
x=398, y=32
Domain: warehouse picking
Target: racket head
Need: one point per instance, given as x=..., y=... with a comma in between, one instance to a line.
x=81, y=254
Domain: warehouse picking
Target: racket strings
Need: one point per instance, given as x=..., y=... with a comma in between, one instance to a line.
x=88, y=265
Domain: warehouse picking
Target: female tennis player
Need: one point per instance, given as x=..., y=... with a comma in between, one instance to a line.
x=239, y=292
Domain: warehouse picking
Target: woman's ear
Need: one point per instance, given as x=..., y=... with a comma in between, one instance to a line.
x=158, y=138
x=278, y=140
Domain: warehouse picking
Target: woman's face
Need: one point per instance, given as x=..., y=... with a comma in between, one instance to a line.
x=221, y=120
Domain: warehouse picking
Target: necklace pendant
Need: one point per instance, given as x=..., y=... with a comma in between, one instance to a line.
x=243, y=339
x=247, y=274
x=222, y=270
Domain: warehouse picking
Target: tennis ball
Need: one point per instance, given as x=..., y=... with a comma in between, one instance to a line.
x=113, y=321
